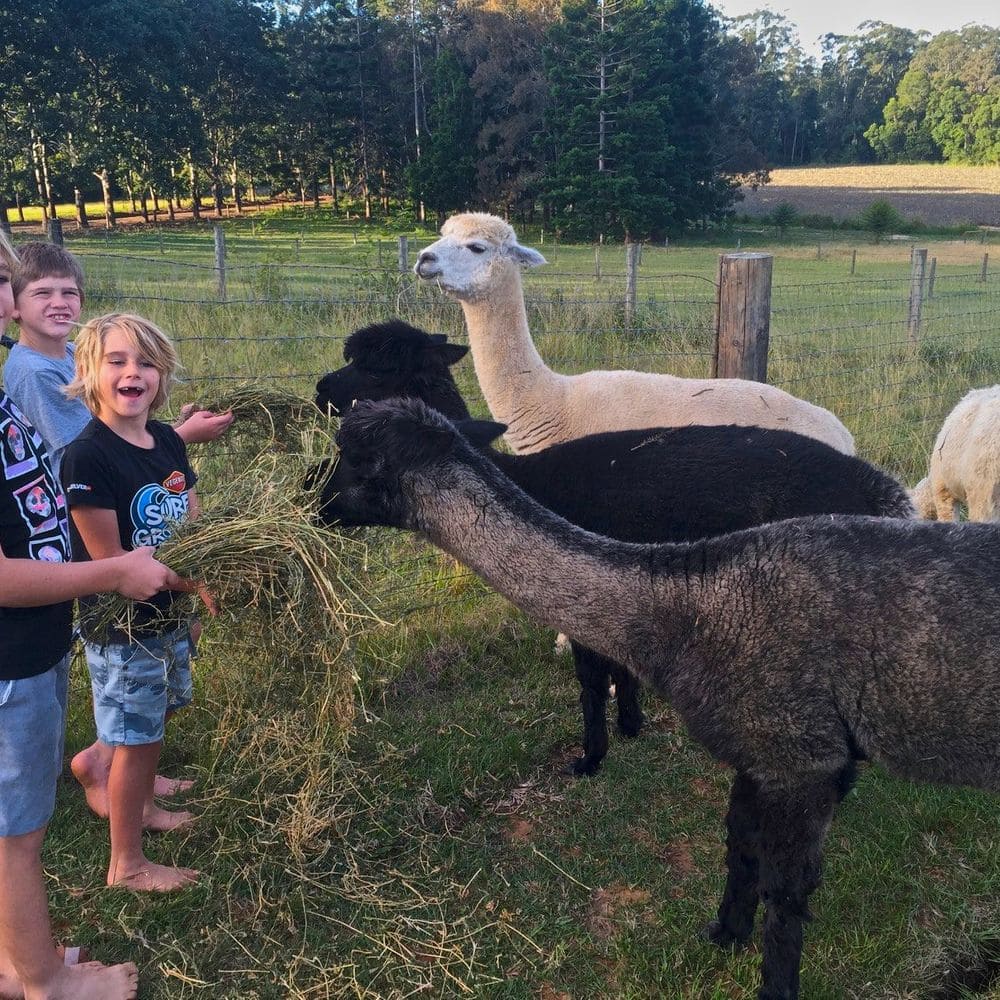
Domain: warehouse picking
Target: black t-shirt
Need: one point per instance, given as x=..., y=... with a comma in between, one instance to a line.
x=33, y=525
x=145, y=487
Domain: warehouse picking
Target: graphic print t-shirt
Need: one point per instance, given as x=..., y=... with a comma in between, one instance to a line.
x=145, y=487
x=33, y=525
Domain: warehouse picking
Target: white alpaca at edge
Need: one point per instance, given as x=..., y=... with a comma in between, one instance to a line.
x=965, y=461
x=478, y=261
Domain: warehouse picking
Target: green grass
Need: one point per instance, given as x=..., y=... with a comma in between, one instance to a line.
x=445, y=853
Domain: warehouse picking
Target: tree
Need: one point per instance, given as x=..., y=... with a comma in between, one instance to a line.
x=628, y=137
x=444, y=177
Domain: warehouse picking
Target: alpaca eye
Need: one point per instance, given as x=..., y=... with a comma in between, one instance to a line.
x=477, y=248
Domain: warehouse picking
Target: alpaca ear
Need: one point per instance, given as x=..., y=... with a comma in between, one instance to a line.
x=480, y=433
x=453, y=353
x=527, y=256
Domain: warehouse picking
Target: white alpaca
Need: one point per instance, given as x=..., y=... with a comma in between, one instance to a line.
x=478, y=261
x=965, y=462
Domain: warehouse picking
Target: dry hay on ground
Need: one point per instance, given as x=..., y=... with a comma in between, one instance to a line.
x=937, y=194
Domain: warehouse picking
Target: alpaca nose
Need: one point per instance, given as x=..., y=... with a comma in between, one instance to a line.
x=426, y=256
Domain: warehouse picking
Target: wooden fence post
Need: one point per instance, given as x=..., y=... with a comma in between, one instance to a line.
x=597, y=262
x=220, y=260
x=986, y=264
x=743, y=316
x=931, y=275
x=631, y=281
x=854, y=260
x=918, y=265
x=55, y=231
x=403, y=255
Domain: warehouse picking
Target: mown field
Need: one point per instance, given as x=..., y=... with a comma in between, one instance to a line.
x=937, y=194
x=445, y=853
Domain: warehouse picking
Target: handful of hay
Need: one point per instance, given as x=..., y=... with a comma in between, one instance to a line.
x=265, y=419
x=290, y=593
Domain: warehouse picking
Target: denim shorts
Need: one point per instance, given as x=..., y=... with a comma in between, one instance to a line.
x=135, y=684
x=32, y=732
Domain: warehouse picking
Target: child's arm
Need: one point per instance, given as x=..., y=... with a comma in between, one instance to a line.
x=98, y=527
x=29, y=583
x=200, y=426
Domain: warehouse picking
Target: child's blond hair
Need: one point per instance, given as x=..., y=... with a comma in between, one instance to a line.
x=142, y=334
x=8, y=255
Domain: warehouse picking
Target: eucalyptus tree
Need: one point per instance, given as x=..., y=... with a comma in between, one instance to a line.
x=858, y=75
x=500, y=46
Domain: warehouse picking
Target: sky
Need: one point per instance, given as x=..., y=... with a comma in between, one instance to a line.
x=815, y=19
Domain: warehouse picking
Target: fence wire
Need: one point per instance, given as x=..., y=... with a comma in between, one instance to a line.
x=286, y=306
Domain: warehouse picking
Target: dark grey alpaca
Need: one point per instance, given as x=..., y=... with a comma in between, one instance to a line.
x=791, y=650
x=665, y=485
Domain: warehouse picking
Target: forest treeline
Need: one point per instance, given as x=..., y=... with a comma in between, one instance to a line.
x=627, y=118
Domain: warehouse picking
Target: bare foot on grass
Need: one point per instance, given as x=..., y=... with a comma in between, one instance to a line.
x=69, y=955
x=162, y=820
x=167, y=788
x=93, y=981
x=151, y=877
x=91, y=769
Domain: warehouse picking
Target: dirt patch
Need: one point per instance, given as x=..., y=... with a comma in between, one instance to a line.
x=937, y=194
x=611, y=906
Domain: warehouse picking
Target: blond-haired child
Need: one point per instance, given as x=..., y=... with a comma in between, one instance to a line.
x=127, y=479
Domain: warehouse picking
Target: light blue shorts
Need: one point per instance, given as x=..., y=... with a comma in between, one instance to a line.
x=32, y=732
x=135, y=684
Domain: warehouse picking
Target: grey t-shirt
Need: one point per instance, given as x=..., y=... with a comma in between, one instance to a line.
x=35, y=383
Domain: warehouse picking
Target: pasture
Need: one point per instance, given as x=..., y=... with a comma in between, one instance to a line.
x=936, y=194
x=443, y=852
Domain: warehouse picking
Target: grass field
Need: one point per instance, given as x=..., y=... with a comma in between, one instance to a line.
x=445, y=853
x=936, y=194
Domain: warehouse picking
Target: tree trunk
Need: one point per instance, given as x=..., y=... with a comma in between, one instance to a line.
x=237, y=194
x=81, y=209
x=333, y=187
x=253, y=190
x=144, y=205
x=39, y=179
x=110, y=219
x=20, y=207
x=193, y=188
x=156, y=203
x=385, y=193
x=315, y=189
x=4, y=217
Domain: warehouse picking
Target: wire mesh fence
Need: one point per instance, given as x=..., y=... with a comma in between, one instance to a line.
x=841, y=329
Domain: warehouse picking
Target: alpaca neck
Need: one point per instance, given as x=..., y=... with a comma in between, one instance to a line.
x=601, y=593
x=520, y=390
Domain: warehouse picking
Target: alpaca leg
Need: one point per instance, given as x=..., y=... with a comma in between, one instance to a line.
x=734, y=922
x=592, y=672
x=630, y=718
x=793, y=824
x=984, y=503
x=944, y=503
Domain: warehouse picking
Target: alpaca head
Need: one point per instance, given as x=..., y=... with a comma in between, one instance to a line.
x=386, y=360
x=392, y=454
x=475, y=252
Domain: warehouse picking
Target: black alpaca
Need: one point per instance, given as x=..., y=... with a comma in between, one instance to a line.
x=790, y=650
x=673, y=485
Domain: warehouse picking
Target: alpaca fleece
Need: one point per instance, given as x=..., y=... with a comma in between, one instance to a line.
x=669, y=484
x=478, y=261
x=791, y=650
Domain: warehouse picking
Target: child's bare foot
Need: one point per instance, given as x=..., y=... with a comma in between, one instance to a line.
x=10, y=985
x=162, y=820
x=151, y=877
x=167, y=788
x=92, y=981
x=91, y=768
